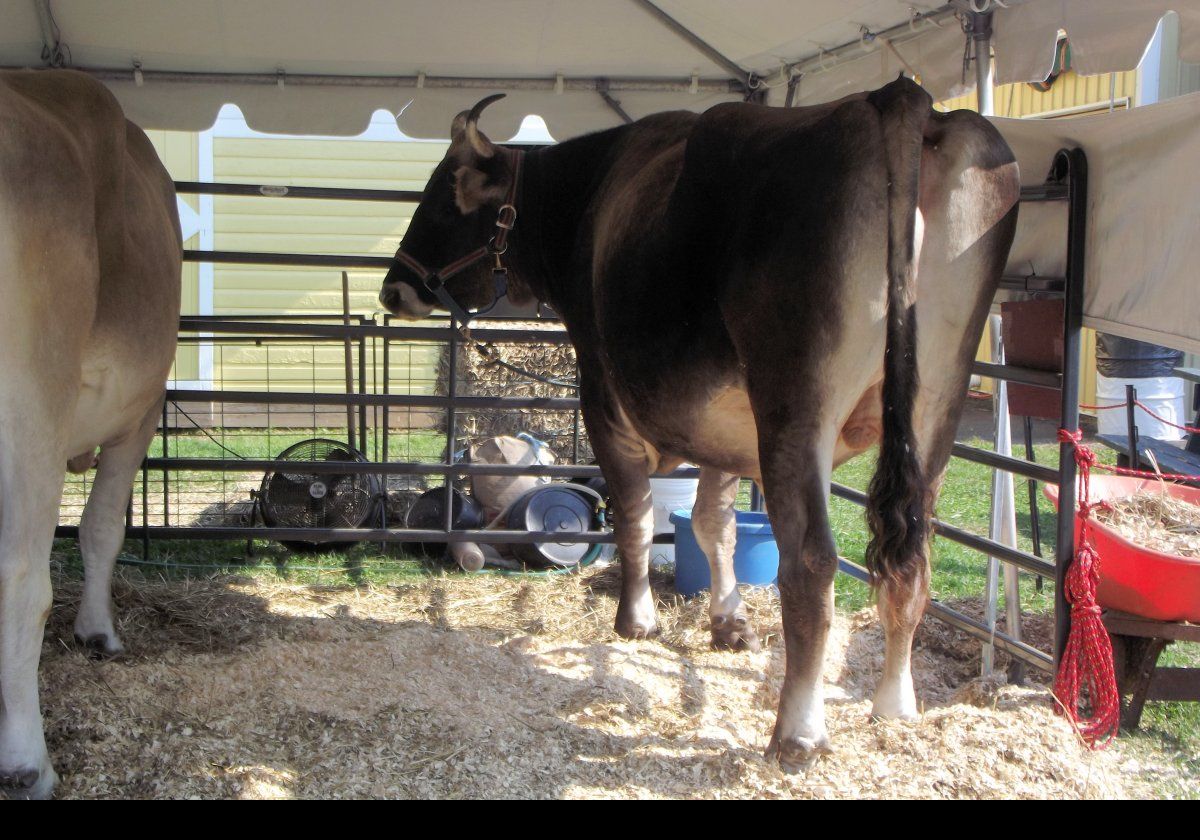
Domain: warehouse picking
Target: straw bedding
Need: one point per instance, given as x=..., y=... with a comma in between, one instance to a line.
x=508, y=687
x=1155, y=520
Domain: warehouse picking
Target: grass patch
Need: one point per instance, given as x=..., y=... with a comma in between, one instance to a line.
x=965, y=501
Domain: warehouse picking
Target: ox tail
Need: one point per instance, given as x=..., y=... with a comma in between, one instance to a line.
x=898, y=496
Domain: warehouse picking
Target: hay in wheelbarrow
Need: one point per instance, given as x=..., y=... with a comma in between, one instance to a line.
x=490, y=686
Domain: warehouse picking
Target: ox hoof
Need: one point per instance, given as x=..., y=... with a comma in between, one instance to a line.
x=886, y=712
x=28, y=783
x=796, y=754
x=895, y=701
x=636, y=618
x=733, y=632
x=636, y=629
x=100, y=645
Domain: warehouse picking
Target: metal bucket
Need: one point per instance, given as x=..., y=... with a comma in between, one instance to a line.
x=428, y=512
x=565, y=508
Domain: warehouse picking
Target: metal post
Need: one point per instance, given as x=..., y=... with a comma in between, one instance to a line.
x=1133, y=446
x=1003, y=522
x=451, y=393
x=1003, y=527
x=349, y=361
x=166, y=473
x=1035, y=519
x=1075, y=163
x=981, y=37
x=362, y=389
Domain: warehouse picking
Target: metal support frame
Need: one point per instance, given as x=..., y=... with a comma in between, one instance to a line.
x=654, y=84
x=708, y=50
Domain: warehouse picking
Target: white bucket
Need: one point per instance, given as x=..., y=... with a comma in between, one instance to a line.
x=669, y=495
x=1164, y=396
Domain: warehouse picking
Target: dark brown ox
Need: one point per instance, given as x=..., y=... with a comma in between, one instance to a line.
x=89, y=307
x=765, y=292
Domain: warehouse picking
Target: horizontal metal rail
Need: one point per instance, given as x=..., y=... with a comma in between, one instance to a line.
x=393, y=400
x=281, y=191
x=664, y=84
x=1034, y=283
x=1020, y=375
x=968, y=625
x=1008, y=554
x=251, y=330
x=323, y=535
x=1044, y=192
x=387, y=468
x=303, y=260
x=1029, y=469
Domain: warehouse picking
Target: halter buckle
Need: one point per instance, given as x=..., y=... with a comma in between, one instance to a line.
x=501, y=221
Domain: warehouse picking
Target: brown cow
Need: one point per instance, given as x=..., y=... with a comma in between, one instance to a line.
x=89, y=309
x=764, y=292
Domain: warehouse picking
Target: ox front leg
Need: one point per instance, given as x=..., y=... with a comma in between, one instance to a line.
x=30, y=489
x=102, y=533
x=796, y=481
x=715, y=525
x=622, y=456
x=636, y=618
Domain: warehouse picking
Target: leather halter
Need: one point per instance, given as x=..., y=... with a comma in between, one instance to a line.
x=435, y=281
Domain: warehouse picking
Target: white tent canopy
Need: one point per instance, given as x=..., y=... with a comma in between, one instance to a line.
x=323, y=67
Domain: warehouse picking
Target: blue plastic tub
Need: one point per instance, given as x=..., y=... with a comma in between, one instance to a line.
x=755, y=560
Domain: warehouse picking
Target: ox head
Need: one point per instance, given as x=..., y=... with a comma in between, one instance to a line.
x=467, y=202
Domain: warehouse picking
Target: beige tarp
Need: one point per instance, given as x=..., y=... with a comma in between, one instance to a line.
x=1143, y=241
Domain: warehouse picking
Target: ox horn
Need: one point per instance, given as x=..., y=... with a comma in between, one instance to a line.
x=468, y=122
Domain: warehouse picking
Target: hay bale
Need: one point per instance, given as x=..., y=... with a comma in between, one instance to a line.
x=476, y=377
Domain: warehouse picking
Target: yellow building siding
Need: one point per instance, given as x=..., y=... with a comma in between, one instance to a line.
x=178, y=151
x=311, y=227
x=1071, y=95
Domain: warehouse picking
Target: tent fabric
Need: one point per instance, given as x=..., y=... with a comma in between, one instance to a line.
x=539, y=40
x=1145, y=163
x=1105, y=35
x=517, y=39
x=1143, y=253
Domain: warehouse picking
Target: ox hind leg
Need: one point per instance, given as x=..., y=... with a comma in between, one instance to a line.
x=796, y=462
x=102, y=533
x=32, y=470
x=715, y=525
x=960, y=266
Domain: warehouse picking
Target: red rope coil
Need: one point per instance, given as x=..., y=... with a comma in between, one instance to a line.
x=1087, y=660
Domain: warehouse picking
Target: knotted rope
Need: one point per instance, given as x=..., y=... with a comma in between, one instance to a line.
x=1087, y=659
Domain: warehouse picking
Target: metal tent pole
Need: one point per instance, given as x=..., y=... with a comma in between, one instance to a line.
x=1074, y=163
x=1003, y=525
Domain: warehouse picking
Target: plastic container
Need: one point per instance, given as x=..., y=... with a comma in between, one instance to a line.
x=428, y=513
x=565, y=508
x=1164, y=395
x=1135, y=579
x=755, y=559
x=669, y=495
